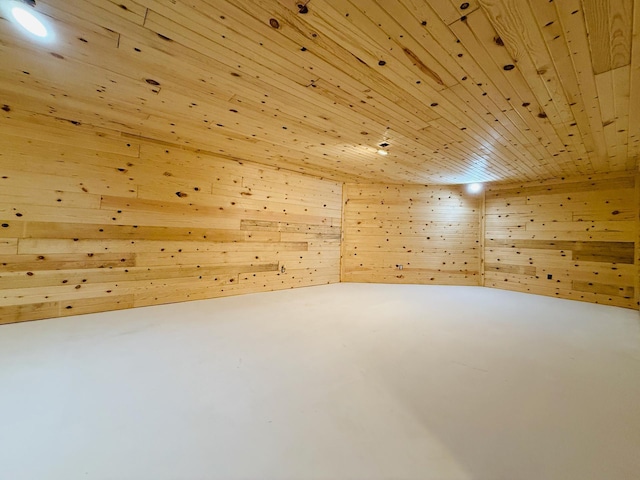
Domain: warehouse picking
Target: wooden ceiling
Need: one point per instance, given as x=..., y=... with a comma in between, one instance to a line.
x=485, y=90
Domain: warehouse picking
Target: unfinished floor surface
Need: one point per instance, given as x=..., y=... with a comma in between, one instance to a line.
x=345, y=381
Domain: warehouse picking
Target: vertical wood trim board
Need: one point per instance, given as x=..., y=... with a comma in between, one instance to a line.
x=481, y=234
x=94, y=221
x=432, y=231
x=574, y=239
x=342, y=244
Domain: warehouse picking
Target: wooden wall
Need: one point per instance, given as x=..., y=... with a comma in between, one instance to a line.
x=432, y=231
x=92, y=220
x=567, y=238
x=95, y=220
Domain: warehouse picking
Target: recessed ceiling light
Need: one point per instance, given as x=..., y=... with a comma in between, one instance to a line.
x=383, y=152
x=474, y=187
x=29, y=21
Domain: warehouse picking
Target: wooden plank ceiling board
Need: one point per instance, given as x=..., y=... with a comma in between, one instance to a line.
x=487, y=90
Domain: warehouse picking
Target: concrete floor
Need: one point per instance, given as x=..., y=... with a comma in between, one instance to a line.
x=343, y=381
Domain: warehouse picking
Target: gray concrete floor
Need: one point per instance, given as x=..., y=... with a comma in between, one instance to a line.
x=345, y=381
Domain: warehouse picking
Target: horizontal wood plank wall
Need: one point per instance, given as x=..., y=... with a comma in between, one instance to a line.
x=637, y=202
x=92, y=221
x=432, y=231
x=572, y=238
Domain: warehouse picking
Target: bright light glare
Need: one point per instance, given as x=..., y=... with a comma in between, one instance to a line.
x=29, y=22
x=474, y=187
x=383, y=152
